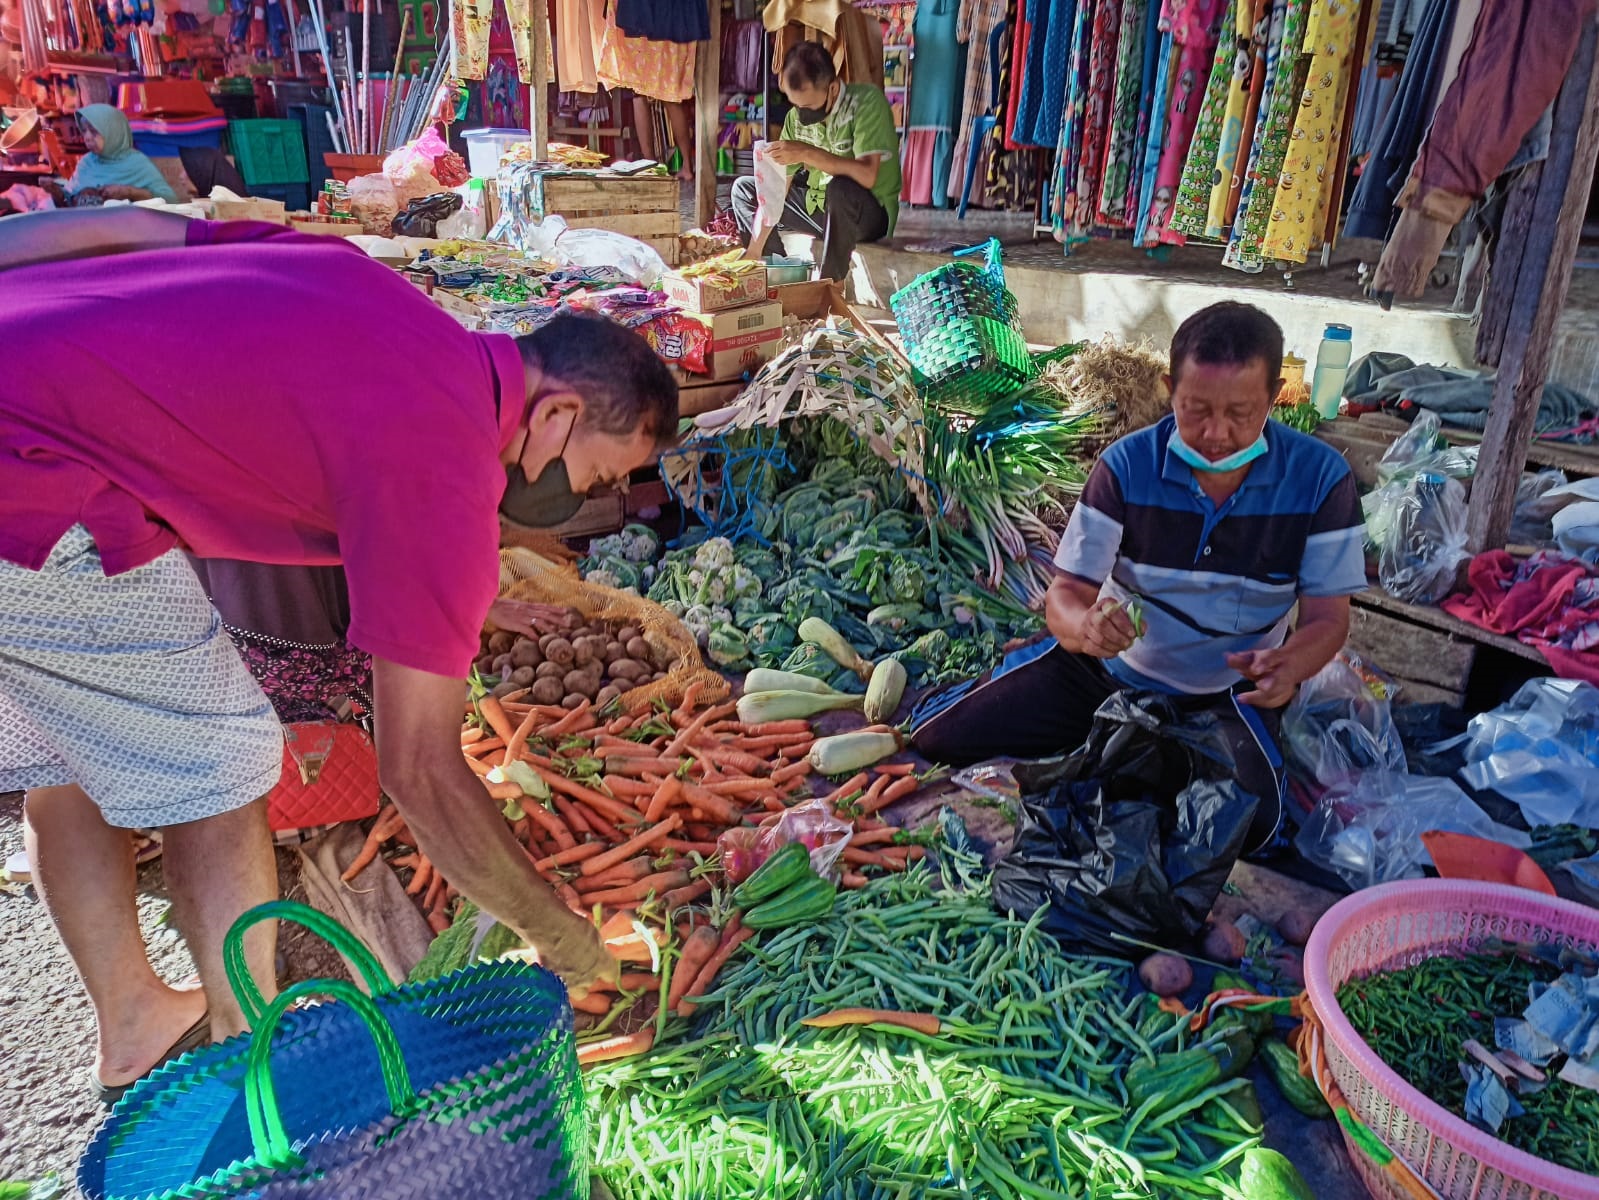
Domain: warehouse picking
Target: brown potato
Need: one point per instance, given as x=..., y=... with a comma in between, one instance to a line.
x=573, y=701
x=549, y=670
x=581, y=682
x=548, y=691
x=523, y=676
x=627, y=633
x=1296, y=926
x=1225, y=942
x=559, y=650
x=606, y=694
x=628, y=668
x=526, y=653
x=614, y=651
x=1166, y=974
x=503, y=689
x=485, y=665
x=572, y=620
x=638, y=648
x=500, y=642
x=502, y=664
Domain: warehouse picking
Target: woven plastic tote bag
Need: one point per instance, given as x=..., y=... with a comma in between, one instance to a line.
x=466, y=1085
x=963, y=334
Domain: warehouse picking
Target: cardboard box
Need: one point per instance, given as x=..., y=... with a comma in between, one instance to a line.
x=741, y=340
x=710, y=295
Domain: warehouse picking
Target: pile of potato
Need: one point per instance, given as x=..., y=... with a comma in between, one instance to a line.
x=593, y=661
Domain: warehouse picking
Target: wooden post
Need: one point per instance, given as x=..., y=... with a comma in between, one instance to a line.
x=1542, y=271
x=707, y=118
x=538, y=98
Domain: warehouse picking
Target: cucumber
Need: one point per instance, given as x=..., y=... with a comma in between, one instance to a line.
x=787, y=866
x=1267, y=1175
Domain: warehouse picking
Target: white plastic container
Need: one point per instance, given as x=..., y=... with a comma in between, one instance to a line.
x=485, y=147
x=1332, y=368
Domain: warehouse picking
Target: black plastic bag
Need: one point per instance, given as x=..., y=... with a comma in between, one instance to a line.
x=1134, y=834
x=421, y=217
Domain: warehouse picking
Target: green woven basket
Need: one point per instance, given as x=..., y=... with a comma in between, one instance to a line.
x=963, y=334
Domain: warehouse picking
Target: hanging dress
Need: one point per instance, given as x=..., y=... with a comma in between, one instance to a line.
x=1121, y=139
x=1068, y=148
x=1232, y=160
x=1314, y=159
x=1007, y=178
x=1154, y=142
x=1080, y=204
x=1021, y=38
x=1279, y=102
x=1194, y=27
x=973, y=27
x=1037, y=121
x=660, y=70
x=579, y=32
x=930, y=117
x=1190, y=212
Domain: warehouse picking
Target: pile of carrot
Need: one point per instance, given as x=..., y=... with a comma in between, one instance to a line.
x=627, y=831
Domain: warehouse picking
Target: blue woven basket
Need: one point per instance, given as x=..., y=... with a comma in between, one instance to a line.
x=473, y=1091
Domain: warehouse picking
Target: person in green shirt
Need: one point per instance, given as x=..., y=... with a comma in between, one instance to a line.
x=842, y=153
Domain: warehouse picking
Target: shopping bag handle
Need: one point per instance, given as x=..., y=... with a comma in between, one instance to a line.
x=251, y=1002
x=268, y=1137
x=993, y=254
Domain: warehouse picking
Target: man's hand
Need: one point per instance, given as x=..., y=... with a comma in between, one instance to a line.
x=1106, y=630
x=1272, y=673
x=789, y=153
x=527, y=619
x=577, y=955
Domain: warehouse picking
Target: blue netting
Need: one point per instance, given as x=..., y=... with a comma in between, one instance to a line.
x=725, y=481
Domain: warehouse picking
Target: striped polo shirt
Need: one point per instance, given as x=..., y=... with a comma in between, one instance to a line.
x=1214, y=579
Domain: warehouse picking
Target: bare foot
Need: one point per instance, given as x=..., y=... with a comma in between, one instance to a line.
x=167, y=1016
x=685, y=176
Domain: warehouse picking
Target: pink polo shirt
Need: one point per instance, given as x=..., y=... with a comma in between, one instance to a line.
x=267, y=396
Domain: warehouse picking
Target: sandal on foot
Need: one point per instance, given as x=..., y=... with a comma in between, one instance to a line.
x=197, y=1035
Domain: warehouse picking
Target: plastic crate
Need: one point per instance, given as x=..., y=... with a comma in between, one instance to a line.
x=296, y=197
x=165, y=98
x=167, y=145
x=269, y=152
x=485, y=147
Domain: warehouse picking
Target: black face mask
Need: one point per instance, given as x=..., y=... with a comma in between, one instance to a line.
x=813, y=116
x=544, y=502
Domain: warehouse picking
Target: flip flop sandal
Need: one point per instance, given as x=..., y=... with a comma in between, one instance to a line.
x=197, y=1035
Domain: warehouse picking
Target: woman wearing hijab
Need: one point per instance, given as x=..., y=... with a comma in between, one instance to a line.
x=113, y=168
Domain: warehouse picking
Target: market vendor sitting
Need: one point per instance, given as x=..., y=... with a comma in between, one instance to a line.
x=113, y=169
x=842, y=153
x=1180, y=572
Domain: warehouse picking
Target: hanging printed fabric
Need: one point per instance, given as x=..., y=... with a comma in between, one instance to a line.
x=1068, y=148
x=1079, y=205
x=1194, y=27
x=974, y=25
x=1232, y=162
x=1157, y=50
x=1279, y=102
x=1010, y=181
x=1314, y=160
x=470, y=21
x=1121, y=140
x=1036, y=121
x=1191, y=210
x=1154, y=141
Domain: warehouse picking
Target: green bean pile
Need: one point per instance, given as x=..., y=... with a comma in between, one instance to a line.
x=1416, y=1019
x=1019, y=1095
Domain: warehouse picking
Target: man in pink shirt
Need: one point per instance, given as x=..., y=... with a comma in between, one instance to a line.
x=241, y=391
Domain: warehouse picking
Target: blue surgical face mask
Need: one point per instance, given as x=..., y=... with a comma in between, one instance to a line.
x=1233, y=462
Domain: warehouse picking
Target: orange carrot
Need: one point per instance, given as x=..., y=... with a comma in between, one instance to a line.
x=692, y=730
x=438, y=920
x=574, y=721
x=878, y=786
x=671, y=787
x=873, y=837
x=796, y=770
x=505, y=791
x=895, y=768
x=872, y=858
x=690, y=846
x=734, y=935
x=435, y=893
x=661, y=881
x=697, y=951
x=513, y=748
x=769, y=728
x=737, y=786
x=470, y=734
x=920, y=1022
x=572, y=854
x=615, y=810
x=642, y=841
x=711, y=804
x=690, y=694
x=489, y=706
x=479, y=767
x=678, y=897
x=897, y=790
x=844, y=789
x=550, y=824
x=787, y=742
x=853, y=879
x=569, y=897
x=738, y=760
x=363, y=859
x=595, y=1003
x=481, y=748
x=622, y=1046
x=420, y=880
x=624, y=788
x=627, y=872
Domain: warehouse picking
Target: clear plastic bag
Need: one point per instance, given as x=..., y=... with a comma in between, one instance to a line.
x=1532, y=522
x=554, y=242
x=994, y=780
x=771, y=188
x=813, y=823
x=1416, y=520
x=1540, y=750
x=1369, y=831
x=1340, y=725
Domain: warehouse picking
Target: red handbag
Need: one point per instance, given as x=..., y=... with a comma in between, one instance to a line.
x=330, y=774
